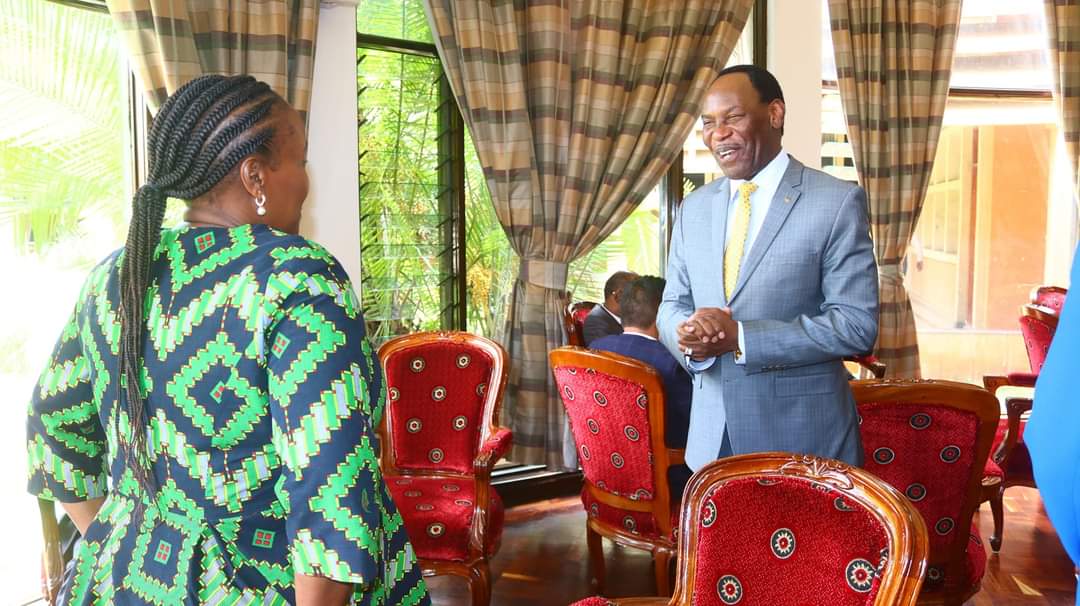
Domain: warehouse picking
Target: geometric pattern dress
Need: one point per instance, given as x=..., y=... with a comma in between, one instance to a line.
x=262, y=395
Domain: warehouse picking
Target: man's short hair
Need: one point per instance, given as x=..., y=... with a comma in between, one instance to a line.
x=766, y=85
x=640, y=301
x=617, y=281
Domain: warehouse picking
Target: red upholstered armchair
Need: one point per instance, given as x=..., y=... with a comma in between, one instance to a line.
x=931, y=440
x=440, y=439
x=574, y=322
x=781, y=529
x=616, y=410
x=1010, y=460
x=1052, y=297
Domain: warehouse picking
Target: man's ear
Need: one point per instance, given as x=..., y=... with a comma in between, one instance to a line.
x=777, y=113
x=252, y=173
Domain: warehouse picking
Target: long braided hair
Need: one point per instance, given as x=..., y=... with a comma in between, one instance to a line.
x=200, y=134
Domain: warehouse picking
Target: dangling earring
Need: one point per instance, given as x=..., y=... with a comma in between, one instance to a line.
x=260, y=204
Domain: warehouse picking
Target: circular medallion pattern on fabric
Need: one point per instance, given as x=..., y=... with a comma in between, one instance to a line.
x=568, y=393
x=436, y=530
x=394, y=394
x=403, y=482
x=425, y=507
x=950, y=454
x=593, y=426
x=916, y=492
x=463, y=361
x=944, y=526
x=463, y=502
x=617, y=460
x=643, y=401
x=859, y=417
x=435, y=455
x=439, y=393
x=783, y=543
x=602, y=485
x=414, y=425
x=481, y=389
x=631, y=433
x=572, y=371
x=729, y=589
x=630, y=524
x=417, y=365
x=413, y=493
x=934, y=573
x=641, y=495
x=767, y=482
x=594, y=510
x=451, y=488
x=920, y=420
x=860, y=575
x=842, y=505
x=460, y=422
x=585, y=452
x=884, y=455
x=600, y=398
x=708, y=513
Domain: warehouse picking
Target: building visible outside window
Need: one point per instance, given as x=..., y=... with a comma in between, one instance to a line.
x=999, y=216
x=64, y=198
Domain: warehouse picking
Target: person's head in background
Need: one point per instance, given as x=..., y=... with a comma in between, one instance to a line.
x=639, y=301
x=613, y=288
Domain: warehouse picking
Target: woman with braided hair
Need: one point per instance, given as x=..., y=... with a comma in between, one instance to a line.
x=207, y=417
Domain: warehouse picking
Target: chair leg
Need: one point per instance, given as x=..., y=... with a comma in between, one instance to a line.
x=998, y=509
x=596, y=556
x=480, y=584
x=662, y=570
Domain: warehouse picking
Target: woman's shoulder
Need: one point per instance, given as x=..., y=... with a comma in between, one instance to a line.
x=294, y=253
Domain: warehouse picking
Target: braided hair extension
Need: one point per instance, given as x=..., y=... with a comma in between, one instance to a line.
x=200, y=134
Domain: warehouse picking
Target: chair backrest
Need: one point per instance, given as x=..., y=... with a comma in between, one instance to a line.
x=444, y=393
x=1037, y=325
x=931, y=440
x=574, y=322
x=1052, y=297
x=778, y=528
x=616, y=410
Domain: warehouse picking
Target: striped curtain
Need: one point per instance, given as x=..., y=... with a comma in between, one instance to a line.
x=577, y=108
x=1063, y=27
x=173, y=41
x=893, y=61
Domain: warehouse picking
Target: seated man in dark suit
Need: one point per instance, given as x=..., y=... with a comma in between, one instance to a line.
x=639, y=301
x=604, y=319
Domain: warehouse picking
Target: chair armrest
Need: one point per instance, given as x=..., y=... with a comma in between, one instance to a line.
x=870, y=363
x=490, y=452
x=676, y=456
x=1022, y=379
x=641, y=601
x=1016, y=407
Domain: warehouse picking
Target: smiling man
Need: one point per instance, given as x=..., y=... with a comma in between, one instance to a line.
x=771, y=281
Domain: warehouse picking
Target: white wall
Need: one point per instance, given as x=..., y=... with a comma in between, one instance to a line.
x=794, y=49
x=332, y=210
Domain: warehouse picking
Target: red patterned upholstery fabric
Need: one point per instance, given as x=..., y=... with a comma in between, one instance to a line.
x=579, y=316
x=1037, y=336
x=438, y=513
x=1022, y=379
x=974, y=564
x=634, y=522
x=1050, y=298
x=593, y=601
x=610, y=420
x=436, y=393
x=763, y=541
x=926, y=452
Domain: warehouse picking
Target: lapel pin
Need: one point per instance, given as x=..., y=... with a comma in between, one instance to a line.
x=787, y=199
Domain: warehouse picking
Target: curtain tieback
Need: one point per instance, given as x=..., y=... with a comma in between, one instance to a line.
x=889, y=275
x=549, y=274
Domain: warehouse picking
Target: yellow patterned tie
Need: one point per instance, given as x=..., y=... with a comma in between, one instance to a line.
x=740, y=228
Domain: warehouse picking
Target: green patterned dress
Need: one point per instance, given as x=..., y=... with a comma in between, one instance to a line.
x=263, y=394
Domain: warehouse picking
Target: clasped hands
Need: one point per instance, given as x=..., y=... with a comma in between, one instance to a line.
x=709, y=332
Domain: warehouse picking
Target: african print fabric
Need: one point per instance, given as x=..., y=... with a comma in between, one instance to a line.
x=262, y=394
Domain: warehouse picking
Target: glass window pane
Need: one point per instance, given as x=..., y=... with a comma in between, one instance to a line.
x=63, y=208
x=401, y=19
x=401, y=223
x=490, y=260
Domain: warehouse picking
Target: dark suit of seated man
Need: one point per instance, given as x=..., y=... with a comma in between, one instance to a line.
x=638, y=302
x=604, y=319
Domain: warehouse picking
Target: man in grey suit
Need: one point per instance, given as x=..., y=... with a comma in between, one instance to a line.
x=604, y=319
x=771, y=281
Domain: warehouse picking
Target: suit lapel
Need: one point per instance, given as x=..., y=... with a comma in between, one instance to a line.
x=721, y=195
x=787, y=194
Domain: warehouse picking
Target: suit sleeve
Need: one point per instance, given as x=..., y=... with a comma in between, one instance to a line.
x=677, y=303
x=848, y=321
x=591, y=330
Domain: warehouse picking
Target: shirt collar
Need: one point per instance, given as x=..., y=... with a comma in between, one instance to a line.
x=638, y=334
x=617, y=318
x=766, y=178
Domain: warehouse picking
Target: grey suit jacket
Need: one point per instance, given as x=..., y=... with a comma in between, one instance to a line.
x=807, y=295
x=599, y=323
